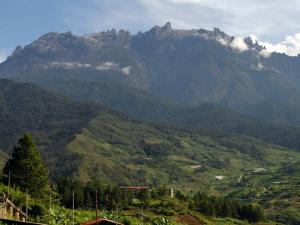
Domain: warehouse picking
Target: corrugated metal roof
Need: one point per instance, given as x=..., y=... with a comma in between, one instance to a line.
x=134, y=187
x=102, y=221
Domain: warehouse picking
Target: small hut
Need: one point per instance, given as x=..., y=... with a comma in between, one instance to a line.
x=9, y=210
x=102, y=221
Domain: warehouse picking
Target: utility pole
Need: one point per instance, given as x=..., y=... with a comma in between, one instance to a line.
x=50, y=202
x=14, y=188
x=142, y=212
x=8, y=190
x=96, y=201
x=73, y=205
x=26, y=204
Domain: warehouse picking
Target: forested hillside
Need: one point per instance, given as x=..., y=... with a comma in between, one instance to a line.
x=88, y=140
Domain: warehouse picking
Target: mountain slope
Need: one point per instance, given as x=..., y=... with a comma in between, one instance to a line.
x=129, y=100
x=25, y=106
x=218, y=119
x=143, y=106
x=89, y=141
x=206, y=68
x=51, y=119
x=281, y=114
x=187, y=66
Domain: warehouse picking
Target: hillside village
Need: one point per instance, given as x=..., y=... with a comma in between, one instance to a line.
x=105, y=204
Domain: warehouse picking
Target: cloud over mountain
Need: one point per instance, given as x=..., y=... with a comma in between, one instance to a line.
x=290, y=45
x=239, y=44
x=3, y=55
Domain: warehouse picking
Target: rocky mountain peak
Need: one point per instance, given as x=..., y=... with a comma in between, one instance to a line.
x=253, y=45
x=167, y=27
x=54, y=41
x=219, y=33
x=17, y=50
x=122, y=36
x=160, y=32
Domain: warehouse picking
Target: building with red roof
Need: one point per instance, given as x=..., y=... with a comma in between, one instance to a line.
x=102, y=221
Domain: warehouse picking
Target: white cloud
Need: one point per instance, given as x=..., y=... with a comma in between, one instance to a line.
x=221, y=40
x=239, y=44
x=107, y=66
x=265, y=53
x=254, y=38
x=290, y=46
x=3, y=55
x=68, y=65
x=257, y=67
x=104, y=66
x=126, y=70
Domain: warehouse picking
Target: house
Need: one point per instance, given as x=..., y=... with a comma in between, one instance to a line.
x=102, y=221
x=9, y=210
x=219, y=177
x=259, y=170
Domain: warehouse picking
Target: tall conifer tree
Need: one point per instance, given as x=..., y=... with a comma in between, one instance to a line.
x=26, y=167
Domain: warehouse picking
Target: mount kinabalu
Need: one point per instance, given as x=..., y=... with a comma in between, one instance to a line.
x=186, y=66
x=183, y=69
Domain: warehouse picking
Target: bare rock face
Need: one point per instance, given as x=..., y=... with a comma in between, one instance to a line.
x=166, y=31
x=55, y=42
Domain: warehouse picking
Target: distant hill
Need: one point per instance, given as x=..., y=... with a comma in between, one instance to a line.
x=218, y=119
x=52, y=120
x=90, y=141
x=209, y=116
x=280, y=114
x=132, y=101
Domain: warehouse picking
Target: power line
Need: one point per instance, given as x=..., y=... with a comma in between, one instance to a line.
x=96, y=201
x=73, y=206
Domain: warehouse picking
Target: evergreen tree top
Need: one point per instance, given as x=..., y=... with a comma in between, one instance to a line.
x=26, y=166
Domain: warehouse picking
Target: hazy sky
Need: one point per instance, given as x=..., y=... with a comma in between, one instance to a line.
x=274, y=22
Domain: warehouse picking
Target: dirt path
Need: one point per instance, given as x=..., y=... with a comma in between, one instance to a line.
x=189, y=220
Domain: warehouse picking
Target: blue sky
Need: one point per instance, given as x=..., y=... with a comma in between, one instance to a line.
x=274, y=22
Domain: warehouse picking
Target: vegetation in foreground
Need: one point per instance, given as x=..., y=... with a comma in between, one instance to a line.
x=156, y=209
x=52, y=203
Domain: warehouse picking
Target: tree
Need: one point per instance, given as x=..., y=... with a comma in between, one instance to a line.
x=66, y=186
x=26, y=167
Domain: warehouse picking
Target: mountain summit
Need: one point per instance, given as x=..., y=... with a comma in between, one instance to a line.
x=187, y=66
